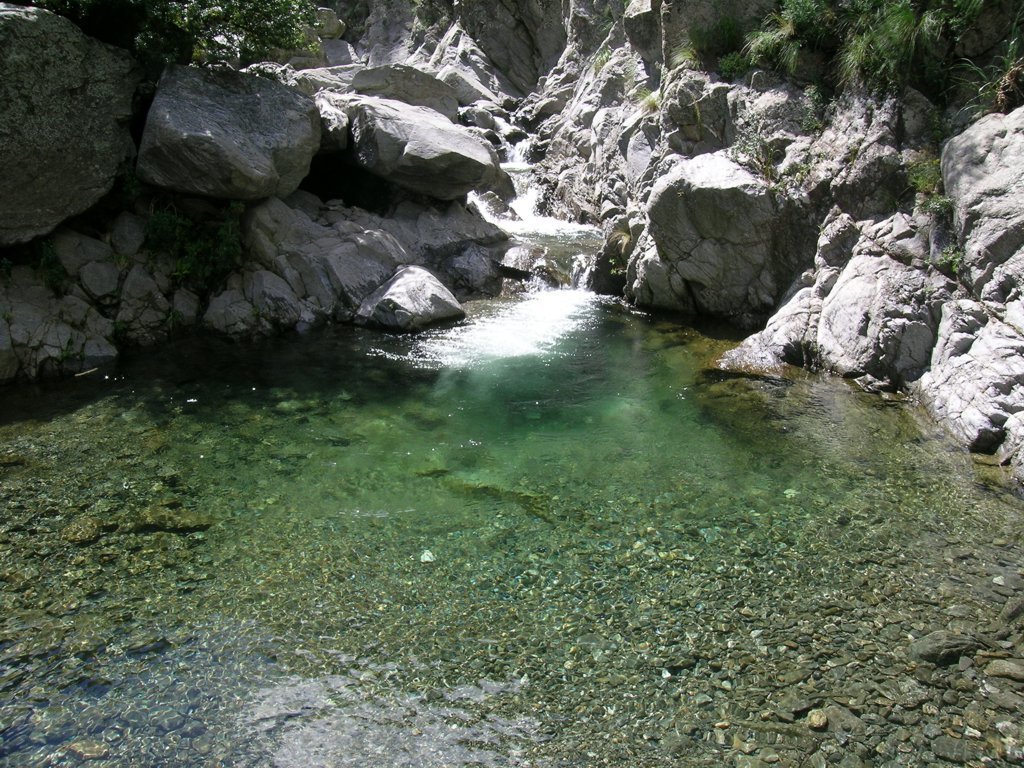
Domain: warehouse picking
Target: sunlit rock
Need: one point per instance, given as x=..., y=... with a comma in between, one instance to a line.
x=410, y=300
x=227, y=135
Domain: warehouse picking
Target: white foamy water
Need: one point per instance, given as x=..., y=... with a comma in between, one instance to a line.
x=526, y=206
x=533, y=326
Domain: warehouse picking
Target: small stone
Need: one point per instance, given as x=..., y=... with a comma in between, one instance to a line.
x=942, y=647
x=1011, y=668
x=817, y=720
x=427, y=556
x=87, y=749
x=171, y=518
x=84, y=530
x=953, y=750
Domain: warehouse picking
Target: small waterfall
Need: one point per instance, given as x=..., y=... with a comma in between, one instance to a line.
x=557, y=247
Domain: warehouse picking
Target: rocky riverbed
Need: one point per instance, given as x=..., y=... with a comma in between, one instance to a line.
x=277, y=555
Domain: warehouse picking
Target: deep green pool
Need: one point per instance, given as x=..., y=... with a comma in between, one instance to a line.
x=543, y=537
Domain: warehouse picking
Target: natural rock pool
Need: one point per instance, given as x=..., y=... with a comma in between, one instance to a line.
x=544, y=537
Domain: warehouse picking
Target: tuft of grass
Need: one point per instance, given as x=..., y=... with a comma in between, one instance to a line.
x=650, y=101
x=1000, y=85
x=620, y=239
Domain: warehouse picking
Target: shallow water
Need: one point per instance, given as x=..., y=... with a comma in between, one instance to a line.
x=542, y=537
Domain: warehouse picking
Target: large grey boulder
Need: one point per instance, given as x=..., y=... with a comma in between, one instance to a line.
x=66, y=103
x=713, y=226
x=419, y=150
x=410, y=300
x=329, y=269
x=983, y=169
x=227, y=135
x=878, y=322
x=409, y=85
x=334, y=122
x=454, y=243
x=868, y=310
x=976, y=381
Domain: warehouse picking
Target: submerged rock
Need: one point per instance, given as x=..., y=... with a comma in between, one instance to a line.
x=410, y=300
x=942, y=647
x=82, y=530
x=171, y=518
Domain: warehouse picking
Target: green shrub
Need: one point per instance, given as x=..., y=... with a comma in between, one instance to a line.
x=882, y=44
x=723, y=36
x=733, y=65
x=939, y=206
x=952, y=258
x=813, y=118
x=753, y=149
x=797, y=24
x=183, y=31
x=204, y=252
x=925, y=175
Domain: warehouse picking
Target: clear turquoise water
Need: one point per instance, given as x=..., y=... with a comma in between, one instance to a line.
x=496, y=544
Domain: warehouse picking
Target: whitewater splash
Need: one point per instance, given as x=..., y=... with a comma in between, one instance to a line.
x=534, y=326
x=526, y=207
